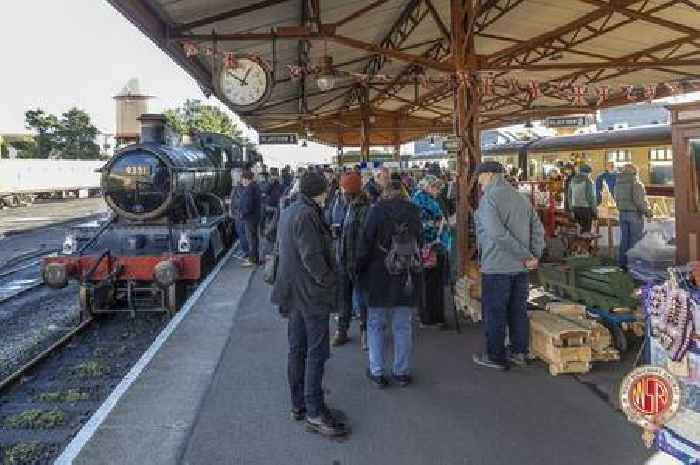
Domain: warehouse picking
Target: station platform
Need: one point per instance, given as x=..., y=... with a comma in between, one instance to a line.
x=216, y=393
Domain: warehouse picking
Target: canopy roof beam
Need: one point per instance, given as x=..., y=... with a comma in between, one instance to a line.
x=568, y=35
x=228, y=15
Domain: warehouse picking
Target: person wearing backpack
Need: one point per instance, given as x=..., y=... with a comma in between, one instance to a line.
x=582, y=198
x=510, y=239
x=389, y=266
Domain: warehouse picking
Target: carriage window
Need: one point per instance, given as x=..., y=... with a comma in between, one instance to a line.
x=661, y=154
x=619, y=157
x=661, y=166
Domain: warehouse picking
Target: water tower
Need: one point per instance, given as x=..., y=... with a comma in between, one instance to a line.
x=131, y=104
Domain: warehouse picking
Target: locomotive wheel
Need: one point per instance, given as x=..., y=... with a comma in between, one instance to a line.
x=87, y=303
x=174, y=296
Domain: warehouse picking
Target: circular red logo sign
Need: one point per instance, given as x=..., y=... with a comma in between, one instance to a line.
x=650, y=395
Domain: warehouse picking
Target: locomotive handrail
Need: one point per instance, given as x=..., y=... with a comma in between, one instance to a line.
x=97, y=234
x=93, y=268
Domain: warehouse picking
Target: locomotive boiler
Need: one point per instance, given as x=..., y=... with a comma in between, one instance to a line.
x=168, y=227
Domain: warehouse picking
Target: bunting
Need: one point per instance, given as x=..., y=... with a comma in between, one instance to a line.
x=485, y=83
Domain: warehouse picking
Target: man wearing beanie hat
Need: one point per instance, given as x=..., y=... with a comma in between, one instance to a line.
x=305, y=286
x=350, y=295
x=510, y=238
x=582, y=198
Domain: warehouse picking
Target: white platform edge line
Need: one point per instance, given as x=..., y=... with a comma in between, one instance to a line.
x=88, y=430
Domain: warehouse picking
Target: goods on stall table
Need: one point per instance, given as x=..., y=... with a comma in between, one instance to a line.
x=651, y=257
x=670, y=309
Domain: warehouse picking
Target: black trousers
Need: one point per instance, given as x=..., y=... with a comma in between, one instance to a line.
x=432, y=309
x=584, y=217
x=309, y=348
x=252, y=235
x=349, y=295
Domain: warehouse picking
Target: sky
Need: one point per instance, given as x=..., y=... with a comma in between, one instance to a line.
x=64, y=53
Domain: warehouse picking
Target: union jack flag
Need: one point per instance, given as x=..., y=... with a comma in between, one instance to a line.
x=603, y=93
x=295, y=72
x=534, y=89
x=230, y=60
x=650, y=92
x=190, y=49
x=629, y=92
x=579, y=96
x=487, y=85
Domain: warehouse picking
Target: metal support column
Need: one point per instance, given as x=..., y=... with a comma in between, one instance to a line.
x=466, y=122
x=364, y=125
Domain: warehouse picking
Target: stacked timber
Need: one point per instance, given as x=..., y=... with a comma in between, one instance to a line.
x=468, y=294
x=469, y=307
x=602, y=349
x=561, y=343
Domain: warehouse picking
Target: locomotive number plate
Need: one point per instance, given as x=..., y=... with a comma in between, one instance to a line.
x=139, y=170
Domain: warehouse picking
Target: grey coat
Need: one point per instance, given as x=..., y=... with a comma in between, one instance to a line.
x=306, y=279
x=509, y=232
x=630, y=195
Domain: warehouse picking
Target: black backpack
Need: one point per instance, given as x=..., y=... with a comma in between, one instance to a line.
x=403, y=254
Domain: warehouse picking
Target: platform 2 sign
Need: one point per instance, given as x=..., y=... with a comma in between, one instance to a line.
x=277, y=139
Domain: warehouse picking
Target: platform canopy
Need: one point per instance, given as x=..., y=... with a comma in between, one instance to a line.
x=396, y=47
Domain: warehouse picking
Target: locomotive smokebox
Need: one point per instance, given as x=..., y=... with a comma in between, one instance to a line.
x=152, y=129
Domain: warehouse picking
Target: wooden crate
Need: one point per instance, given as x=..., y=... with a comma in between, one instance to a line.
x=465, y=303
x=563, y=344
x=567, y=309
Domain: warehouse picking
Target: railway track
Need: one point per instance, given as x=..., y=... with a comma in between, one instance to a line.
x=21, y=274
x=45, y=402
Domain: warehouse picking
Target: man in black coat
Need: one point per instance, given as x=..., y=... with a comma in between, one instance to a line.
x=249, y=213
x=305, y=287
x=389, y=296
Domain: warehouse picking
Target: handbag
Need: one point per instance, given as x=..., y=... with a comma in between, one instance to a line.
x=271, y=265
x=428, y=256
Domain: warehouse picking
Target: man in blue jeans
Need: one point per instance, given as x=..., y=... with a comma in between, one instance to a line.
x=510, y=237
x=391, y=294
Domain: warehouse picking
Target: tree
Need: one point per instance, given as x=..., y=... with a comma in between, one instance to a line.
x=26, y=148
x=71, y=137
x=77, y=136
x=193, y=116
x=46, y=127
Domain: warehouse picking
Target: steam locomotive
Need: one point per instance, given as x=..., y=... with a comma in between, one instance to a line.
x=168, y=227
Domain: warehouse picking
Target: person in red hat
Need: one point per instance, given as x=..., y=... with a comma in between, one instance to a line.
x=350, y=295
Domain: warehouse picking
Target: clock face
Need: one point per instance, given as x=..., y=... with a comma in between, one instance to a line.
x=247, y=85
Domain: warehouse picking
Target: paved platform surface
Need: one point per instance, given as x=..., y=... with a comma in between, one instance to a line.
x=43, y=214
x=455, y=413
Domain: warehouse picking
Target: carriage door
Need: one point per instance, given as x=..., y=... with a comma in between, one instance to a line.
x=685, y=121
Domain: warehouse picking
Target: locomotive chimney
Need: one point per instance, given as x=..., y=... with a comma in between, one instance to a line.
x=153, y=129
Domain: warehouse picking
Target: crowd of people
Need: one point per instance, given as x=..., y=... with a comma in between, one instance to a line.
x=582, y=195
x=376, y=248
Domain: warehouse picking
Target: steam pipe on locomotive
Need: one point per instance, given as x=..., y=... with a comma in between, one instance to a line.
x=168, y=228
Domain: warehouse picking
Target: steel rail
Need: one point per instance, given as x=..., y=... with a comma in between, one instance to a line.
x=10, y=380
